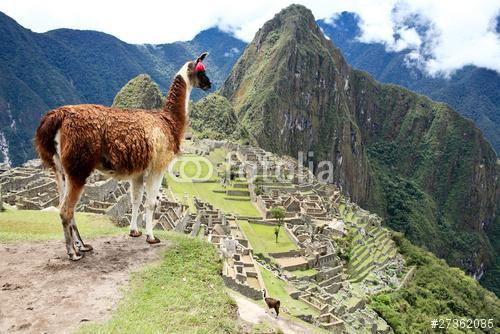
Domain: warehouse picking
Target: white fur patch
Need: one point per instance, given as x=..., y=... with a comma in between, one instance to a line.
x=57, y=140
x=183, y=72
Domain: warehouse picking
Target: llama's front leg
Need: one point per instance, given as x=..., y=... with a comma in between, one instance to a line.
x=152, y=191
x=73, y=252
x=136, y=192
x=78, y=239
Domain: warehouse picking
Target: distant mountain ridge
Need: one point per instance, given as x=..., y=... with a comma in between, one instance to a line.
x=39, y=72
x=473, y=92
x=64, y=66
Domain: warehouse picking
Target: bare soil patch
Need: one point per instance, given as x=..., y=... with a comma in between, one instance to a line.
x=41, y=291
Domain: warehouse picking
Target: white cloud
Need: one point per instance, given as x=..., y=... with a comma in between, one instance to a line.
x=459, y=33
x=462, y=32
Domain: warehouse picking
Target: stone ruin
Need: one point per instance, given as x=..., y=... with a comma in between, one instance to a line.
x=339, y=290
x=315, y=222
x=31, y=187
x=295, y=205
x=239, y=270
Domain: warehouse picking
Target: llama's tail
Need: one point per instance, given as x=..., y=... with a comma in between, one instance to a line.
x=45, y=134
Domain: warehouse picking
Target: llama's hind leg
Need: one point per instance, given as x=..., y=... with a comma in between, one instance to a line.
x=153, y=183
x=136, y=192
x=74, y=243
x=60, y=179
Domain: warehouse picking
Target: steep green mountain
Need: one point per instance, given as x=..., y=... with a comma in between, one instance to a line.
x=141, y=92
x=436, y=291
x=42, y=71
x=414, y=161
x=473, y=92
x=213, y=117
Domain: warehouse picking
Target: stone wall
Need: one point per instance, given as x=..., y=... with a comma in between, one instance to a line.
x=120, y=208
x=182, y=224
x=290, y=253
x=196, y=226
x=245, y=290
x=326, y=260
x=100, y=190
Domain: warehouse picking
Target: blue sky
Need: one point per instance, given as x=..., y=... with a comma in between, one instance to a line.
x=461, y=32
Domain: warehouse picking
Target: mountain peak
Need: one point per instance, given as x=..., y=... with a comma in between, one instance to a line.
x=281, y=52
x=293, y=18
x=208, y=35
x=296, y=9
x=291, y=87
x=140, y=92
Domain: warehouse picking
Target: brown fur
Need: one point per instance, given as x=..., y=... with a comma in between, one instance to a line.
x=272, y=303
x=175, y=103
x=121, y=140
x=75, y=140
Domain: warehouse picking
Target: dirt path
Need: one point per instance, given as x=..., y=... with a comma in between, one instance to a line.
x=41, y=291
x=254, y=313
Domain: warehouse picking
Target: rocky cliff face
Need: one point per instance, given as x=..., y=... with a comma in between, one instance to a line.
x=416, y=162
x=289, y=89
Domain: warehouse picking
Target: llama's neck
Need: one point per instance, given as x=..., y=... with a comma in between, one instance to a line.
x=175, y=111
x=183, y=72
x=178, y=96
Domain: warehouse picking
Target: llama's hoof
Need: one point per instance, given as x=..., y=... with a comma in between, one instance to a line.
x=135, y=233
x=76, y=256
x=152, y=241
x=86, y=248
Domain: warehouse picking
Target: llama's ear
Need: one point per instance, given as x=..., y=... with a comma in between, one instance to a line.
x=201, y=57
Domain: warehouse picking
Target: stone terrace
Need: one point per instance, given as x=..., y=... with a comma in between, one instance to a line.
x=317, y=219
x=239, y=272
x=30, y=187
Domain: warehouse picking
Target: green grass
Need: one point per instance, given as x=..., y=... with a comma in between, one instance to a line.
x=279, y=289
x=262, y=239
x=192, y=166
x=341, y=208
x=218, y=155
x=436, y=291
x=302, y=273
x=182, y=294
x=212, y=192
x=42, y=225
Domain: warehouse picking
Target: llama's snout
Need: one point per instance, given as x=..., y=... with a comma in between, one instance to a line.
x=205, y=83
x=207, y=87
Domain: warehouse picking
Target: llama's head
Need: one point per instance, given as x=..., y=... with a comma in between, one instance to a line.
x=196, y=74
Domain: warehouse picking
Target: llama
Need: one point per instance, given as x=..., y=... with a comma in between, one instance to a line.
x=272, y=303
x=135, y=145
